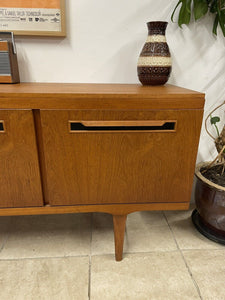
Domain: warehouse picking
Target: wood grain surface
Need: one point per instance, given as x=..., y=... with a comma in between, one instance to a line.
x=119, y=224
x=119, y=167
x=98, y=96
x=20, y=184
x=6, y=79
x=121, y=209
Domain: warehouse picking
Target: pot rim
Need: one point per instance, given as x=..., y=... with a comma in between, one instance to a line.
x=199, y=175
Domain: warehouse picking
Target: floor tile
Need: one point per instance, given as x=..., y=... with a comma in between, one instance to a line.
x=45, y=279
x=145, y=219
x=145, y=232
x=158, y=238
x=157, y=276
x=186, y=235
x=208, y=270
x=102, y=234
x=48, y=236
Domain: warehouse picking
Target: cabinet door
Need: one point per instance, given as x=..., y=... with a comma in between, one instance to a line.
x=20, y=184
x=109, y=157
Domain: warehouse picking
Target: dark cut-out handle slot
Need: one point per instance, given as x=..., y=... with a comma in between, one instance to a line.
x=81, y=126
x=2, y=127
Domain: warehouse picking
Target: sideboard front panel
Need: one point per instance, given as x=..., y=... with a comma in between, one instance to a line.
x=20, y=184
x=106, y=157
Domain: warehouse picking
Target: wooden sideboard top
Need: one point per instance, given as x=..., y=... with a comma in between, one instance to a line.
x=97, y=96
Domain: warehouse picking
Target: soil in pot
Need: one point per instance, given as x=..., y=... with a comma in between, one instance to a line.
x=214, y=174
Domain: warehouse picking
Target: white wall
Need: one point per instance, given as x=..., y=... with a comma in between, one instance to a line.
x=104, y=39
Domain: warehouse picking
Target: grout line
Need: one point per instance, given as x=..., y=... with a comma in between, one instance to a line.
x=178, y=248
x=89, y=279
x=43, y=257
x=135, y=253
x=90, y=255
x=203, y=249
x=151, y=251
x=7, y=236
x=85, y=255
x=92, y=222
x=182, y=255
x=4, y=242
x=192, y=277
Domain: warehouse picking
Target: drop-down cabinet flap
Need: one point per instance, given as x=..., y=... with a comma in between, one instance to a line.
x=114, y=157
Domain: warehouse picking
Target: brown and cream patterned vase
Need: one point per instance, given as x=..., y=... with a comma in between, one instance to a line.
x=154, y=63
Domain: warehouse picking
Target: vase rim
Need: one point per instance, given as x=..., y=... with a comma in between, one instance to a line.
x=157, y=22
x=157, y=27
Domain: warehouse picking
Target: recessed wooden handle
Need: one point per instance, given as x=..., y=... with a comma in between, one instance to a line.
x=123, y=123
x=2, y=126
x=135, y=125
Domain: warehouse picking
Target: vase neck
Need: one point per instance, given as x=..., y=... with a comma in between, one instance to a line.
x=157, y=28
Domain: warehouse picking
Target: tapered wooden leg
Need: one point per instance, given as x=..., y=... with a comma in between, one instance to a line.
x=119, y=222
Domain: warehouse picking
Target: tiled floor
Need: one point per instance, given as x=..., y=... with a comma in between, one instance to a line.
x=72, y=257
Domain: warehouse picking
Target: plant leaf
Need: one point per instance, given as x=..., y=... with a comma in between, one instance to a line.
x=214, y=120
x=179, y=2
x=221, y=18
x=215, y=24
x=213, y=6
x=185, y=13
x=200, y=8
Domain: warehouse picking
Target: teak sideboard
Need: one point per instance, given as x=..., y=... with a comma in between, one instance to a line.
x=113, y=148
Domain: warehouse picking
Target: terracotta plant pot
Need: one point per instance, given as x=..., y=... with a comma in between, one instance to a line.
x=209, y=216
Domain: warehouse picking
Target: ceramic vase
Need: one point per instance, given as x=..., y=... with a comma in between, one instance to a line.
x=154, y=63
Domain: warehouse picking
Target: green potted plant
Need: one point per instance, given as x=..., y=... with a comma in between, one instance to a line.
x=200, y=8
x=209, y=215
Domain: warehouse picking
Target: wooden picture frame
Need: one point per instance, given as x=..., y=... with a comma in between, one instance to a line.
x=33, y=17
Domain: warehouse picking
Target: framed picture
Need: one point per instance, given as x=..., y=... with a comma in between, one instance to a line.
x=33, y=17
